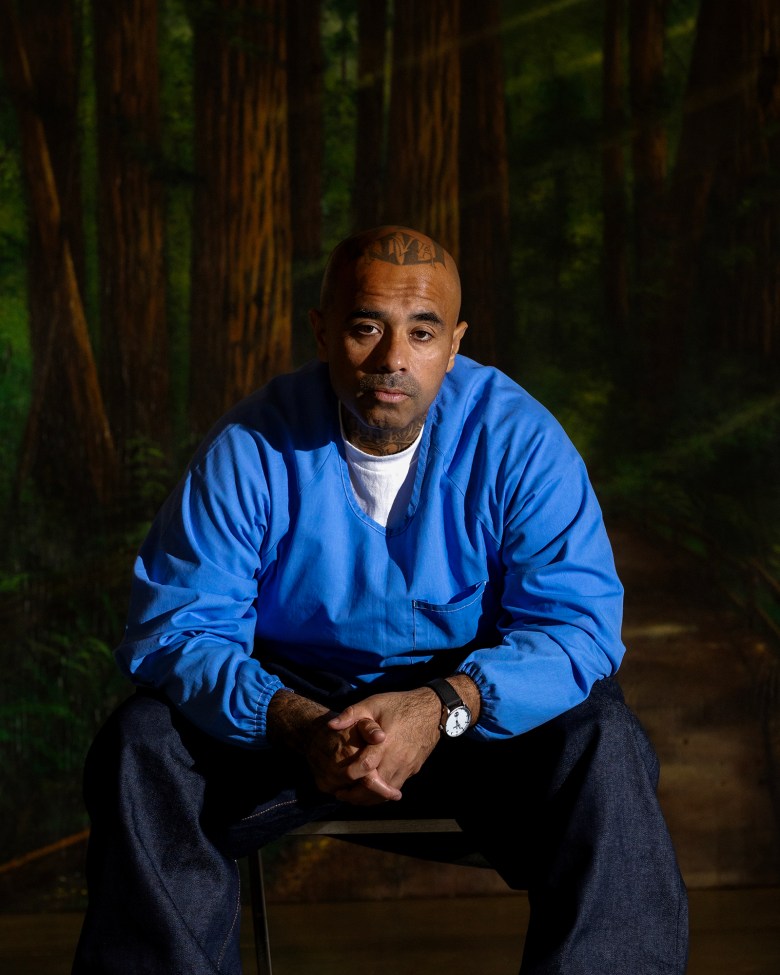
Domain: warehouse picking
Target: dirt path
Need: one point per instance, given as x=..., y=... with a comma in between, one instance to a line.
x=690, y=673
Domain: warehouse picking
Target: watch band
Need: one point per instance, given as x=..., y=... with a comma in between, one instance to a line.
x=455, y=716
x=447, y=694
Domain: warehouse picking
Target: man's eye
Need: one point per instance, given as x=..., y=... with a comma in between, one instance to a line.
x=365, y=328
x=421, y=335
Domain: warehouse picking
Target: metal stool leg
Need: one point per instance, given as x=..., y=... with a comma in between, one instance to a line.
x=347, y=829
x=259, y=914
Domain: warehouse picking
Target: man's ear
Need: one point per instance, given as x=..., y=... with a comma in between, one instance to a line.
x=457, y=335
x=318, y=327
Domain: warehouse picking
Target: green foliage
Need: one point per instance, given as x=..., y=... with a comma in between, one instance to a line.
x=715, y=489
x=553, y=102
x=579, y=400
x=711, y=483
x=15, y=379
x=151, y=476
x=15, y=366
x=62, y=598
x=715, y=485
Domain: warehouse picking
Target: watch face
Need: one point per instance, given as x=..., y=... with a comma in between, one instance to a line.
x=457, y=721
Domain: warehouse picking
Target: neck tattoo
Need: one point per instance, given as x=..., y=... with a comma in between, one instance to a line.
x=379, y=442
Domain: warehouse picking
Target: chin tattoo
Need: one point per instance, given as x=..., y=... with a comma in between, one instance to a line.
x=380, y=442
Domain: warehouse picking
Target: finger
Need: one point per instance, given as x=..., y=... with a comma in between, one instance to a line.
x=359, y=797
x=358, y=765
x=369, y=791
x=375, y=784
x=345, y=720
x=370, y=731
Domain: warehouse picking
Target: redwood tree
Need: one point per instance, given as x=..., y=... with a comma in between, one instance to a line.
x=768, y=96
x=241, y=280
x=130, y=220
x=305, y=70
x=305, y=86
x=746, y=306
x=50, y=31
x=422, y=149
x=370, y=113
x=721, y=208
x=615, y=266
x=647, y=40
x=484, y=184
x=65, y=349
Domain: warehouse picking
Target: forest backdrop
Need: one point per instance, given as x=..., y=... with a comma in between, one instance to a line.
x=173, y=173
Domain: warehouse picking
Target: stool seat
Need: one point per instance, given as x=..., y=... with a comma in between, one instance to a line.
x=397, y=835
x=357, y=827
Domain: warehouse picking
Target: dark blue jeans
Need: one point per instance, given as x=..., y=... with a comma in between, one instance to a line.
x=567, y=812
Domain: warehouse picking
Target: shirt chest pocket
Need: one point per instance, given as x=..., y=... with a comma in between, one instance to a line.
x=439, y=626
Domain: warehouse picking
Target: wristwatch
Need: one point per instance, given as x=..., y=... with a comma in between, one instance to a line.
x=455, y=716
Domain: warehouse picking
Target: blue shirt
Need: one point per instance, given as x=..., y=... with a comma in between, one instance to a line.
x=503, y=552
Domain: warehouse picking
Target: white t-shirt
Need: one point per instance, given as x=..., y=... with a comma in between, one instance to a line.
x=383, y=485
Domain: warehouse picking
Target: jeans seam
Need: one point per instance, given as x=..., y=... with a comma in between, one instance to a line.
x=652, y=772
x=681, y=957
x=263, y=812
x=164, y=886
x=233, y=923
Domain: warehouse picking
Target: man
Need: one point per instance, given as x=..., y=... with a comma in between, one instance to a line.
x=382, y=584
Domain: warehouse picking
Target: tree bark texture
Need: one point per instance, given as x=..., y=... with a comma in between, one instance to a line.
x=422, y=148
x=241, y=284
x=305, y=73
x=134, y=347
x=767, y=89
x=647, y=41
x=616, y=273
x=708, y=100
x=484, y=186
x=67, y=345
x=50, y=37
x=305, y=90
x=720, y=207
x=370, y=113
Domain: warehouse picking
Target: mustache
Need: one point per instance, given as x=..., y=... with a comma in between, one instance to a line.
x=398, y=384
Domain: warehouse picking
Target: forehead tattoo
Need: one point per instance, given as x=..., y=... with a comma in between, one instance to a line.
x=404, y=249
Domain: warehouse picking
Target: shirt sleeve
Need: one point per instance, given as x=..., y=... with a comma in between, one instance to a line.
x=191, y=623
x=562, y=600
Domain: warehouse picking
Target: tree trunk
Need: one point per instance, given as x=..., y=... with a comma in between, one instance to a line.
x=615, y=271
x=718, y=218
x=647, y=26
x=708, y=94
x=305, y=70
x=744, y=195
x=305, y=85
x=241, y=283
x=67, y=345
x=768, y=95
x=484, y=186
x=50, y=32
x=370, y=110
x=422, y=149
x=134, y=348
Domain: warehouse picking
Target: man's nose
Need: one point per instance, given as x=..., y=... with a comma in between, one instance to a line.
x=391, y=352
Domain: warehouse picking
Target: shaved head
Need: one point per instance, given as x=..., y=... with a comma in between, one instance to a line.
x=388, y=327
x=391, y=245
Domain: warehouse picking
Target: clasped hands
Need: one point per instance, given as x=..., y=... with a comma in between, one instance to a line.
x=365, y=754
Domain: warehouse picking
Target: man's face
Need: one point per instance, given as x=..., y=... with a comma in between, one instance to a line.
x=389, y=334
